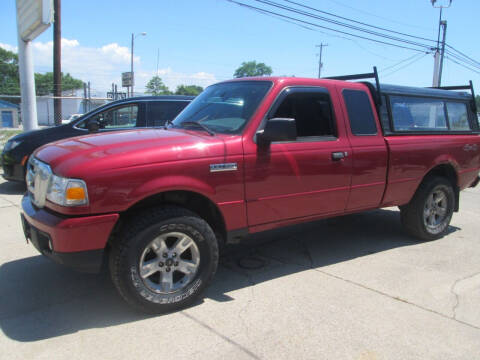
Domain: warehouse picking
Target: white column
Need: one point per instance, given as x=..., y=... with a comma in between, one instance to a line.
x=27, y=85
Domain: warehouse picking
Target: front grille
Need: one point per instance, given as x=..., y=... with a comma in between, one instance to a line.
x=38, y=180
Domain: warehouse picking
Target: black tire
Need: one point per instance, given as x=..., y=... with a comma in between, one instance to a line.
x=417, y=216
x=137, y=238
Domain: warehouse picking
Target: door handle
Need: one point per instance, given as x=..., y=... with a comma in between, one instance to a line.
x=339, y=155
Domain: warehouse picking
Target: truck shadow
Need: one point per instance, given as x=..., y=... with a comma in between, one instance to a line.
x=41, y=300
x=12, y=188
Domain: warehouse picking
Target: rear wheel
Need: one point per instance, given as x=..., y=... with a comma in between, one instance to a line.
x=429, y=213
x=164, y=259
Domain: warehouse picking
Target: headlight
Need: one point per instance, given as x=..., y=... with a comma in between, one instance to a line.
x=12, y=144
x=67, y=192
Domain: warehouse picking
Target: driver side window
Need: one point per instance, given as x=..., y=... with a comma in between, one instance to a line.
x=116, y=118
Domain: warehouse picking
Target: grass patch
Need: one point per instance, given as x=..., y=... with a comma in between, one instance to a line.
x=7, y=134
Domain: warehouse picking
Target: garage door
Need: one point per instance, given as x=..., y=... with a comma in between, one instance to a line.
x=7, y=119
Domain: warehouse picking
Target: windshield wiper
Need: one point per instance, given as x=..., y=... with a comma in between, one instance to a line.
x=197, y=124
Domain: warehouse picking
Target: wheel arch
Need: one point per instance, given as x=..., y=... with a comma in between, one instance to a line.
x=448, y=171
x=194, y=201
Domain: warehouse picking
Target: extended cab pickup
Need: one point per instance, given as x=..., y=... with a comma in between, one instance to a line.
x=245, y=156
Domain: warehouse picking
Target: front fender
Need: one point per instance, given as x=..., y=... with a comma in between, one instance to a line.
x=171, y=183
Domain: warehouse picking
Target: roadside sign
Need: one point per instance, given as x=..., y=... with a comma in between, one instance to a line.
x=33, y=17
x=116, y=95
x=127, y=79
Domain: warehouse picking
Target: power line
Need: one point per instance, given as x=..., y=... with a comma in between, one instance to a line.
x=459, y=58
x=461, y=53
x=377, y=16
x=406, y=65
x=358, y=22
x=250, y=7
x=339, y=23
x=398, y=63
x=462, y=65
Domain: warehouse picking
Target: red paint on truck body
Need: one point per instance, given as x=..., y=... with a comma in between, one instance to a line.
x=285, y=184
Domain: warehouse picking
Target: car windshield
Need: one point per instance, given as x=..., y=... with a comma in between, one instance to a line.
x=224, y=108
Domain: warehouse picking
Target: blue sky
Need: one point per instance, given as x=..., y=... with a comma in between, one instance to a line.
x=204, y=41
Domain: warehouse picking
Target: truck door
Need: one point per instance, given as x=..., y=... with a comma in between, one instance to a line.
x=306, y=177
x=369, y=150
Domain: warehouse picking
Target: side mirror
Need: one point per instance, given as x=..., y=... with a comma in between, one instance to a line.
x=277, y=129
x=93, y=126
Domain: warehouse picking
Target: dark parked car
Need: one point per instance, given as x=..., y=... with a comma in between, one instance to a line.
x=146, y=111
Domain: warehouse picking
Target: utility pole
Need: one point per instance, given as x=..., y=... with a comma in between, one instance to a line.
x=320, y=64
x=57, y=62
x=84, y=98
x=131, y=65
x=440, y=49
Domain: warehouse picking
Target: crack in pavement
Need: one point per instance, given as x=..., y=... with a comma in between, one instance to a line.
x=10, y=202
x=244, y=273
x=396, y=298
x=457, y=296
x=224, y=337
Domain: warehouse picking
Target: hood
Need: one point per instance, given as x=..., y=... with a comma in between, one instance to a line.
x=80, y=156
x=37, y=134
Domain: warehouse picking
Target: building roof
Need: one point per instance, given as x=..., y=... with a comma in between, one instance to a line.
x=5, y=104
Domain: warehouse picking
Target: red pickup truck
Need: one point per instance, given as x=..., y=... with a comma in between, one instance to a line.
x=245, y=156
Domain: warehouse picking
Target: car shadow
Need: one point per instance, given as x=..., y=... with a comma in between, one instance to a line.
x=12, y=188
x=41, y=300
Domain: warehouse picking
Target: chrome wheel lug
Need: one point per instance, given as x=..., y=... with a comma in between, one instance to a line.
x=168, y=269
x=160, y=264
x=165, y=255
x=176, y=263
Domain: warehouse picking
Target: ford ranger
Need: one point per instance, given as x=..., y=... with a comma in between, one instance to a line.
x=247, y=155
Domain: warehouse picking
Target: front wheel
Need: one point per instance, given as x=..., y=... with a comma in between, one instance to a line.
x=164, y=260
x=429, y=213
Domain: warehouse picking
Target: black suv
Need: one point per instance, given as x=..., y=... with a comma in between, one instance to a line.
x=145, y=111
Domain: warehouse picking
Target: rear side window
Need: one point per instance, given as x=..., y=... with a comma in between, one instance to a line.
x=458, y=116
x=158, y=112
x=360, y=112
x=418, y=114
x=312, y=112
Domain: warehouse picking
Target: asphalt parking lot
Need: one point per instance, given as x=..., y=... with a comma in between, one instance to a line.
x=354, y=287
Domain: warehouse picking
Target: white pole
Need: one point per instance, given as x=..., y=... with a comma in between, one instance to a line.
x=27, y=85
x=436, y=70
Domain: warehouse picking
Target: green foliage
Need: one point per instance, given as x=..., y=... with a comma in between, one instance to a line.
x=9, y=79
x=44, y=83
x=477, y=100
x=156, y=87
x=192, y=90
x=252, y=68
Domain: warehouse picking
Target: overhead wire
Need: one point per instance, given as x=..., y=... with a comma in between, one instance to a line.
x=464, y=55
x=358, y=22
x=398, y=63
x=251, y=7
x=418, y=57
x=342, y=24
x=460, y=64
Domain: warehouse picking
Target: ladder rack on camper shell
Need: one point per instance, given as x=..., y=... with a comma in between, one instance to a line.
x=377, y=91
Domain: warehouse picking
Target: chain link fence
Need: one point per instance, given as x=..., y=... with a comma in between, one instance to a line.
x=71, y=107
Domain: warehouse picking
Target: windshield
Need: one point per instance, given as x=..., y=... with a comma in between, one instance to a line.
x=225, y=108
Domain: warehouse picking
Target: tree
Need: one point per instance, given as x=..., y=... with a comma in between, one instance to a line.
x=156, y=87
x=252, y=68
x=44, y=83
x=192, y=90
x=9, y=79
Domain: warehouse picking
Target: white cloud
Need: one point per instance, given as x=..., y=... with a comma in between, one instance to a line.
x=103, y=66
x=9, y=47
